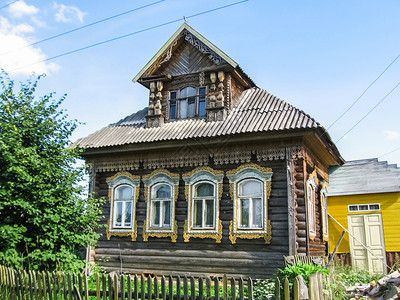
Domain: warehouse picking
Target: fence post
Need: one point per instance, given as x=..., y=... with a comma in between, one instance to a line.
x=313, y=291
x=277, y=289
x=286, y=288
x=296, y=289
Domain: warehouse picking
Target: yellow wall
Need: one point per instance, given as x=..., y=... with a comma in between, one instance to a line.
x=390, y=209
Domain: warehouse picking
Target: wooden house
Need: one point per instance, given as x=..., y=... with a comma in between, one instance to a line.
x=364, y=197
x=215, y=176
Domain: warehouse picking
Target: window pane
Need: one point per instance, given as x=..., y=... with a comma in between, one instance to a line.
x=363, y=207
x=198, y=213
x=257, y=213
x=128, y=213
x=172, y=95
x=202, y=107
x=374, y=207
x=251, y=187
x=124, y=192
x=204, y=189
x=118, y=213
x=202, y=91
x=192, y=107
x=155, y=213
x=183, y=108
x=244, y=210
x=167, y=212
x=172, y=110
x=163, y=191
x=210, y=213
x=188, y=91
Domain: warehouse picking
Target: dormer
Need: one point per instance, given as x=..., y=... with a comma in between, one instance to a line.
x=190, y=78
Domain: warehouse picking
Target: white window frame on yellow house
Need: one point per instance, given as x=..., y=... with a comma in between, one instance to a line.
x=311, y=194
x=203, y=175
x=115, y=183
x=324, y=211
x=151, y=183
x=245, y=174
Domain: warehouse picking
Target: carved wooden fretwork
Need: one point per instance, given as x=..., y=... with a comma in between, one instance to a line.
x=267, y=236
x=232, y=157
x=278, y=153
x=183, y=81
x=168, y=53
x=202, y=78
x=217, y=236
x=127, y=232
x=228, y=99
x=116, y=165
x=214, y=57
x=175, y=162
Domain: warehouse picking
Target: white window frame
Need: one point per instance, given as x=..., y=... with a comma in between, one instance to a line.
x=237, y=176
x=324, y=211
x=311, y=213
x=124, y=203
x=251, y=199
x=150, y=181
x=154, y=199
x=119, y=180
x=357, y=206
x=178, y=100
x=203, y=200
x=192, y=179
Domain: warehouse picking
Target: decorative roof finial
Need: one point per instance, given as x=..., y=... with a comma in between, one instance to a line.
x=184, y=18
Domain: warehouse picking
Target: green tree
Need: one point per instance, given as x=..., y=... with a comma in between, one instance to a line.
x=45, y=220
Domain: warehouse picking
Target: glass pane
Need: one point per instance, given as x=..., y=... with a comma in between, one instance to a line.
x=183, y=107
x=124, y=192
x=167, y=212
x=163, y=191
x=172, y=95
x=251, y=187
x=202, y=91
x=155, y=214
x=202, y=107
x=191, y=108
x=257, y=213
x=363, y=207
x=128, y=213
x=244, y=211
x=118, y=213
x=198, y=213
x=188, y=91
x=204, y=189
x=374, y=207
x=210, y=213
x=172, y=110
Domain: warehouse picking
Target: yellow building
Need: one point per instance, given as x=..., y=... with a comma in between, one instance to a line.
x=364, y=198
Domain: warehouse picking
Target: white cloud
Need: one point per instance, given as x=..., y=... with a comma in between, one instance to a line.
x=68, y=13
x=20, y=9
x=392, y=135
x=15, y=57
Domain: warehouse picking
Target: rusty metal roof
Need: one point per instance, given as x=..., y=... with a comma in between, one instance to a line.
x=258, y=111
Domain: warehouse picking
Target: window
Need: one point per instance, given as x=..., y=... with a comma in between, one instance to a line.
x=123, y=194
x=364, y=207
x=324, y=211
x=203, y=192
x=189, y=102
x=311, y=186
x=161, y=202
x=250, y=204
x=250, y=188
x=161, y=192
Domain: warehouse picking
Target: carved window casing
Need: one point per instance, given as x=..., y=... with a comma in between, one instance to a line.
x=188, y=102
x=161, y=193
x=203, y=193
x=250, y=187
x=311, y=194
x=123, y=195
x=324, y=211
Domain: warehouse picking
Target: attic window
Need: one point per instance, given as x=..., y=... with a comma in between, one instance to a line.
x=364, y=207
x=188, y=102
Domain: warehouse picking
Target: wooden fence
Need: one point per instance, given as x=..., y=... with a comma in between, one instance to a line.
x=32, y=285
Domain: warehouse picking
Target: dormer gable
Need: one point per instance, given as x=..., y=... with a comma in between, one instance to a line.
x=191, y=78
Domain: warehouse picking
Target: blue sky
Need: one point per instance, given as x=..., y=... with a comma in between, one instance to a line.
x=317, y=55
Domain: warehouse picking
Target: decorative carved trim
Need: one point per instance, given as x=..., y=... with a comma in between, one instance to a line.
x=128, y=232
x=176, y=161
x=159, y=234
x=231, y=190
x=116, y=165
x=271, y=154
x=232, y=157
x=244, y=166
x=267, y=236
x=205, y=168
x=214, y=57
x=313, y=174
x=217, y=236
x=202, y=78
x=123, y=173
x=168, y=53
x=170, y=174
x=186, y=193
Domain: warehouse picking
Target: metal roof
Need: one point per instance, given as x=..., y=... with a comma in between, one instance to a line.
x=367, y=176
x=258, y=111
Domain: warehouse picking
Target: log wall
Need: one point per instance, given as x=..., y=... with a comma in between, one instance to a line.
x=199, y=256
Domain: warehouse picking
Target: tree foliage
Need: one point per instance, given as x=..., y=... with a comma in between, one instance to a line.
x=44, y=217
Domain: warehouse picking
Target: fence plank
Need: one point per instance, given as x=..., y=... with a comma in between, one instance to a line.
x=225, y=287
x=85, y=278
x=296, y=289
x=216, y=288
x=233, y=289
x=286, y=289
x=241, y=292
x=192, y=288
x=136, y=283
x=208, y=287
x=171, y=288
x=178, y=288
x=142, y=287
x=156, y=291
x=129, y=283
x=250, y=289
x=104, y=285
x=163, y=289
x=122, y=286
x=201, y=288
x=277, y=289
x=149, y=287
x=185, y=288
x=115, y=286
x=80, y=283
x=110, y=286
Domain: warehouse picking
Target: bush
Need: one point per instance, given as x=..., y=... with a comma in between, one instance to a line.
x=292, y=271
